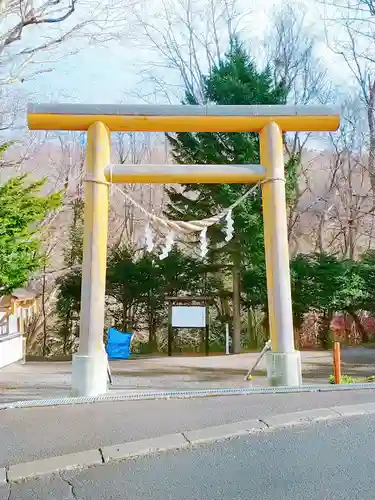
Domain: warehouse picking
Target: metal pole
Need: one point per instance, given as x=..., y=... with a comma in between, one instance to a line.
x=89, y=367
x=236, y=301
x=109, y=374
x=337, y=362
x=266, y=348
x=226, y=338
x=207, y=331
x=170, y=329
x=24, y=349
x=283, y=363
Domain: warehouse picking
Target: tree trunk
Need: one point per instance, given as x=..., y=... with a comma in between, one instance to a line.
x=44, y=313
x=151, y=326
x=125, y=316
x=251, y=330
x=266, y=324
x=255, y=336
x=358, y=324
x=225, y=309
x=68, y=332
x=151, y=336
x=297, y=327
x=371, y=125
x=324, y=329
x=236, y=335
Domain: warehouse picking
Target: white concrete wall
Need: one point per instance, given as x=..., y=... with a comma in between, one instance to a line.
x=10, y=327
x=11, y=339
x=11, y=349
x=13, y=326
x=4, y=327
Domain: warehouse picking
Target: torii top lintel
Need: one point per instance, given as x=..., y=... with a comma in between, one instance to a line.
x=181, y=118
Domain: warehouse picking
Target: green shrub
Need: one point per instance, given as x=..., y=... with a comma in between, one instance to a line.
x=347, y=379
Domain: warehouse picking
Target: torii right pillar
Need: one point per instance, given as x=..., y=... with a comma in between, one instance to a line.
x=283, y=361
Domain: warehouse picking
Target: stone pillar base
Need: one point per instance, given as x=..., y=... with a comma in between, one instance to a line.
x=89, y=374
x=284, y=369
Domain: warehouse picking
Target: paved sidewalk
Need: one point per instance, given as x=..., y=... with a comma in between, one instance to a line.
x=40, y=380
x=33, y=433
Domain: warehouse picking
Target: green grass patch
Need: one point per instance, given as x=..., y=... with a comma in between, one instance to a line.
x=347, y=379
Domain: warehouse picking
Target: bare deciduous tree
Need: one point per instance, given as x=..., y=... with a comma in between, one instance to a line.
x=370, y=4
x=361, y=6
x=353, y=40
x=336, y=212
x=36, y=35
x=29, y=29
x=291, y=53
x=186, y=38
x=127, y=222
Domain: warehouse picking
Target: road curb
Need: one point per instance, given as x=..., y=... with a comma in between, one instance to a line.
x=352, y=410
x=144, y=447
x=224, y=431
x=301, y=417
x=53, y=464
x=181, y=394
x=187, y=439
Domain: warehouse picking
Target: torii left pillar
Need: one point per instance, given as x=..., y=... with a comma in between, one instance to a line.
x=89, y=366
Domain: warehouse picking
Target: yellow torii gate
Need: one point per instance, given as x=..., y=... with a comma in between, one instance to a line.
x=89, y=368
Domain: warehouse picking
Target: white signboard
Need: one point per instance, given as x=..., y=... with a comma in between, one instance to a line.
x=188, y=316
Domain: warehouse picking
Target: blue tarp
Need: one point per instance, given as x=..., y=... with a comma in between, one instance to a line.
x=118, y=344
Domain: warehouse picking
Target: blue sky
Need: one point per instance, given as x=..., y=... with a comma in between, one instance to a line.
x=110, y=73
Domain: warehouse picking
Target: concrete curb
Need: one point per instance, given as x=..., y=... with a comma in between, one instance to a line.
x=144, y=447
x=53, y=464
x=302, y=417
x=188, y=439
x=225, y=431
x=352, y=410
x=180, y=394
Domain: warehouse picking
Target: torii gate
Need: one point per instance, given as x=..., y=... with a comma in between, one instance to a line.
x=89, y=367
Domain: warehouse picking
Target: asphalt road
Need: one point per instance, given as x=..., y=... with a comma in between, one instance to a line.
x=32, y=433
x=331, y=461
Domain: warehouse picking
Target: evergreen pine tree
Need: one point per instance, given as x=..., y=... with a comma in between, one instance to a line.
x=236, y=80
x=22, y=210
